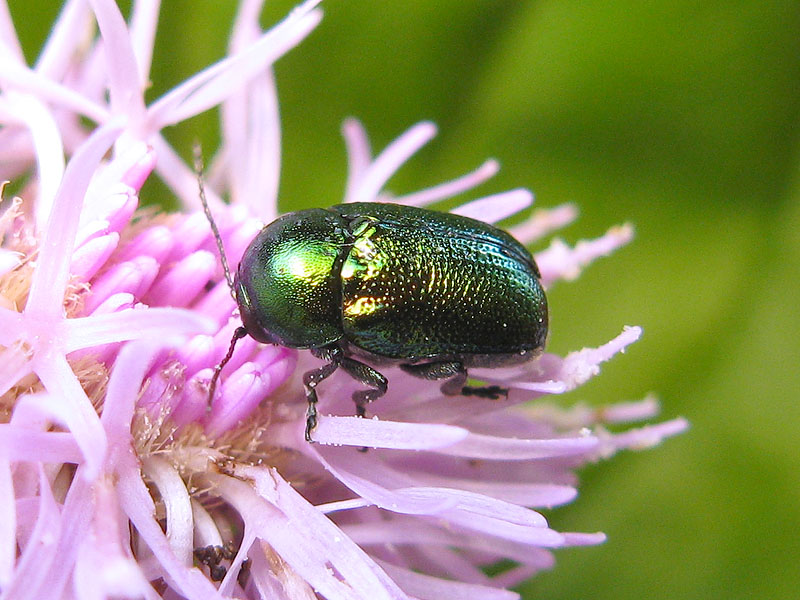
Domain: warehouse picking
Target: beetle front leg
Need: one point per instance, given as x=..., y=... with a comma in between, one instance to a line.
x=312, y=378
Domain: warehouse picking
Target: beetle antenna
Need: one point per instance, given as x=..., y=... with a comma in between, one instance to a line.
x=198, y=167
x=240, y=332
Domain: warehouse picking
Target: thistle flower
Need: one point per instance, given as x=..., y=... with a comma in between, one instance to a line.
x=116, y=480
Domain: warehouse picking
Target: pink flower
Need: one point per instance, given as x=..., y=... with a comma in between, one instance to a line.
x=116, y=480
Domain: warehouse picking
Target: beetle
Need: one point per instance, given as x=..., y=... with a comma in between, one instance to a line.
x=435, y=293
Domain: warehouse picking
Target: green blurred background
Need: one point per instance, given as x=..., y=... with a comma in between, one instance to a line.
x=680, y=117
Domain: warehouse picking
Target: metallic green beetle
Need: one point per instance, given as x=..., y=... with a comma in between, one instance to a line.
x=433, y=292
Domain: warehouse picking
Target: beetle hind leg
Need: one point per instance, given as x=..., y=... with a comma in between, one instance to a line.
x=490, y=392
x=456, y=375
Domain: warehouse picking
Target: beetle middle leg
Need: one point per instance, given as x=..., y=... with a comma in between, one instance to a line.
x=368, y=376
x=456, y=375
x=312, y=378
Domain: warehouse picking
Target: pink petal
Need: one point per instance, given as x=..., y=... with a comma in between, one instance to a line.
x=584, y=539
x=578, y=367
x=8, y=520
x=370, y=492
x=124, y=384
x=155, y=241
x=250, y=139
x=48, y=148
x=194, y=403
x=144, y=22
x=519, y=574
x=20, y=78
x=209, y=87
x=62, y=44
x=177, y=507
x=543, y=221
x=13, y=368
x=626, y=412
x=373, y=433
x=50, y=277
x=426, y=587
x=451, y=188
x=20, y=444
x=497, y=207
x=217, y=305
x=644, y=437
x=39, y=553
x=138, y=171
x=8, y=37
x=70, y=403
x=180, y=179
x=189, y=235
x=391, y=159
x=290, y=586
x=351, y=562
x=497, y=448
x=359, y=154
x=90, y=257
x=121, y=69
x=136, y=502
x=184, y=281
x=134, y=277
x=561, y=262
x=12, y=326
x=241, y=393
x=542, y=495
x=401, y=530
x=129, y=324
x=9, y=261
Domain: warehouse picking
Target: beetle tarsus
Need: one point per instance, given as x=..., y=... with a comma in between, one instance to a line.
x=490, y=392
x=312, y=378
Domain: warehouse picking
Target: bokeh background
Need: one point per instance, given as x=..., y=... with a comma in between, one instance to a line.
x=678, y=116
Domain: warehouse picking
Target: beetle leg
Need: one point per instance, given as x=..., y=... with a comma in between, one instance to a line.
x=312, y=378
x=453, y=371
x=456, y=376
x=492, y=392
x=368, y=376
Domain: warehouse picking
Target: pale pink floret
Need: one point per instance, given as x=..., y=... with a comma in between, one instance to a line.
x=449, y=484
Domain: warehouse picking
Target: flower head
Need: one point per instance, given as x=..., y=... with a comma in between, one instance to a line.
x=116, y=477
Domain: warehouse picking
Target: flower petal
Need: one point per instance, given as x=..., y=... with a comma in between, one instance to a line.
x=39, y=553
x=130, y=324
x=562, y=262
x=426, y=587
x=177, y=507
x=351, y=562
x=209, y=87
x=121, y=69
x=451, y=188
x=359, y=154
x=543, y=221
x=385, y=434
x=20, y=444
x=50, y=277
x=136, y=502
x=497, y=207
x=8, y=519
x=70, y=403
x=388, y=161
